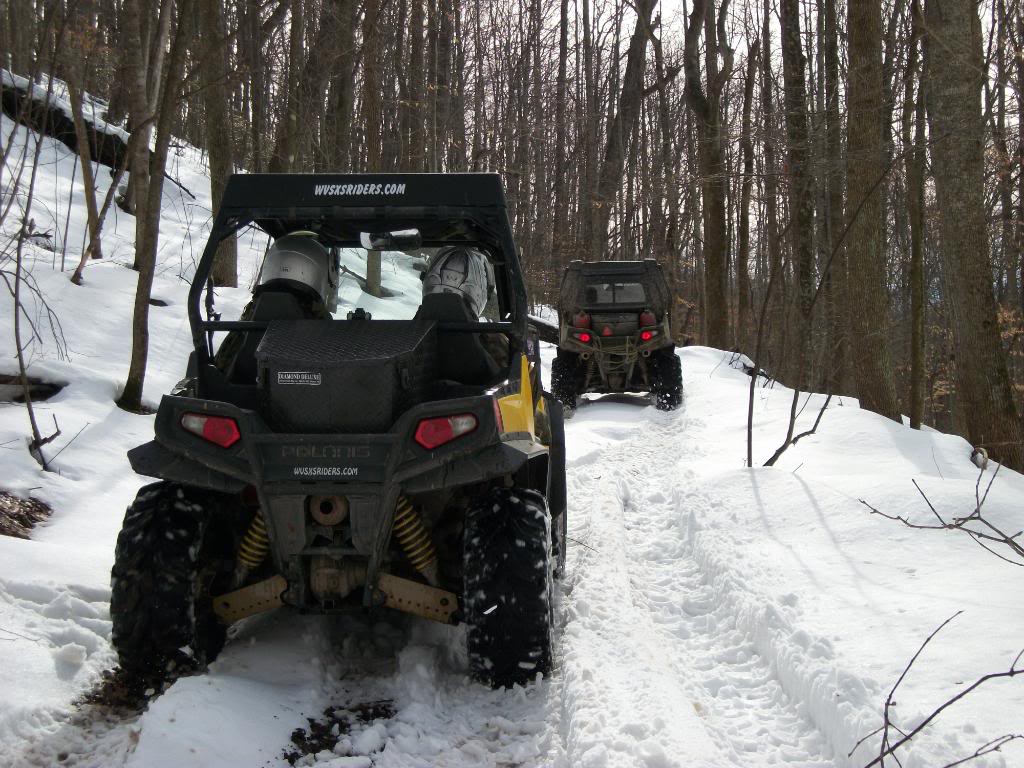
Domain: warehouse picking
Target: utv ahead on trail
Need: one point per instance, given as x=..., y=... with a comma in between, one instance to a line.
x=614, y=333
x=336, y=464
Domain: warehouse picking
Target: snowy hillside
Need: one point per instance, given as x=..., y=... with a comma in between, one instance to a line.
x=711, y=615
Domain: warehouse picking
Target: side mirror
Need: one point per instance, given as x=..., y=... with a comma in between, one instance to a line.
x=402, y=240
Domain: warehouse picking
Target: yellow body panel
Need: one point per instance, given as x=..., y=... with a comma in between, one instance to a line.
x=517, y=408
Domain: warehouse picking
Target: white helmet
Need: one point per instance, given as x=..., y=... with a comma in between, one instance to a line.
x=298, y=260
x=463, y=271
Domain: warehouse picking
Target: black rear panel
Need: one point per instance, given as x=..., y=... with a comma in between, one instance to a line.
x=344, y=376
x=619, y=323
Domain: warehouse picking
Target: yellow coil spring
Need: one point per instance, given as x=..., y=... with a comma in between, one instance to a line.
x=413, y=536
x=255, y=545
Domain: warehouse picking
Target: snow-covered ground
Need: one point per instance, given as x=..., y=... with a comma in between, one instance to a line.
x=710, y=615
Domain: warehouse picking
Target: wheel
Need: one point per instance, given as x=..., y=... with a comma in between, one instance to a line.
x=666, y=373
x=506, y=562
x=171, y=554
x=556, y=493
x=565, y=379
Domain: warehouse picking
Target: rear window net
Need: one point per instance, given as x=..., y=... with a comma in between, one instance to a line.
x=614, y=293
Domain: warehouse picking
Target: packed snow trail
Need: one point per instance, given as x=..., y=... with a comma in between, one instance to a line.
x=650, y=653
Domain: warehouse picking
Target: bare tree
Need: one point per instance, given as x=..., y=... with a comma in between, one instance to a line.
x=865, y=153
x=953, y=61
x=707, y=110
x=743, y=326
x=913, y=112
x=213, y=69
x=149, y=186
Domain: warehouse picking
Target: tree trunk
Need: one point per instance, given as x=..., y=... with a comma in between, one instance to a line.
x=372, y=115
x=953, y=61
x=836, y=279
x=561, y=224
x=213, y=76
x=94, y=249
x=282, y=159
x=142, y=114
x=415, y=161
x=773, y=245
x=591, y=117
x=868, y=293
x=259, y=104
x=1004, y=171
x=622, y=127
x=706, y=109
x=1019, y=40
x=340, y=150
x=743, y=324
x=148, y=223
x=801, y=199
x=913, y=109
x=371, y=98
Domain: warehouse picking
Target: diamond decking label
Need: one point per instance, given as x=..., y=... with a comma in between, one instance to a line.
x=309, y=378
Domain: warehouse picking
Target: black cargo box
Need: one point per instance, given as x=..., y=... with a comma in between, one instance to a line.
x=344, y=376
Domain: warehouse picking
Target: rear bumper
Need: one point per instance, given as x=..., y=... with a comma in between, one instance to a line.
x=292, y=463
x=616, y=363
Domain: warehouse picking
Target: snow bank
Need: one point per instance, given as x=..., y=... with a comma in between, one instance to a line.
x=837, y=599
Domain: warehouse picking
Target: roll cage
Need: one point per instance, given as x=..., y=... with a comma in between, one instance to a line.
x=447, y=209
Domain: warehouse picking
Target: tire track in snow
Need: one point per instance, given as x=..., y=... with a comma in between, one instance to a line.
x=670, y=653
x=284, y=671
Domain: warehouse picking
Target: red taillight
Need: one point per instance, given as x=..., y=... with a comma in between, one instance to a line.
x=646, y=335
x=219, y=430
x=607, y=331
x=582, y=320
x=584, y=337
x=432, y=433
x=647, y=318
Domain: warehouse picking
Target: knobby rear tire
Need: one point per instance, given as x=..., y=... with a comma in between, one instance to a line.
x=172, y=551
x=508, y=576
x=666, y=380
x=565, y=383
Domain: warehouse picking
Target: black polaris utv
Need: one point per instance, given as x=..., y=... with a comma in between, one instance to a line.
x=351, y=464
x=614, y=333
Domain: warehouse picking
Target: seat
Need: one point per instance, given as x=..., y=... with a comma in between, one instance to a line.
x=266, y=305
x=461, y=356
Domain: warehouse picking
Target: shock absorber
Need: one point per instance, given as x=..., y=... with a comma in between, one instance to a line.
x=588, y=373
x=255, y=544
x=415, y=540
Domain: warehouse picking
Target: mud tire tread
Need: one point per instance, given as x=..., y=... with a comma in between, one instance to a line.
x=507, y=567
x=565, y=383
x=666, y=380
x=161, y=564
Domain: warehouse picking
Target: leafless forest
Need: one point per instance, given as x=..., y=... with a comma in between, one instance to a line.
x=835, y=187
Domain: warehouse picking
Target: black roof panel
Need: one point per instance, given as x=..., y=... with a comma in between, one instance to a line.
x=333, y=190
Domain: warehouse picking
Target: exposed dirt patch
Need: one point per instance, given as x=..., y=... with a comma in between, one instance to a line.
x=12, y=391
x=123, y=691
x=325, y=732
x=97, y=731
x=18, y=516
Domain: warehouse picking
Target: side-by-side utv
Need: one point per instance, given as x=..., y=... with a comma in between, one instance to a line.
x=615, y=334
x=320, y=458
